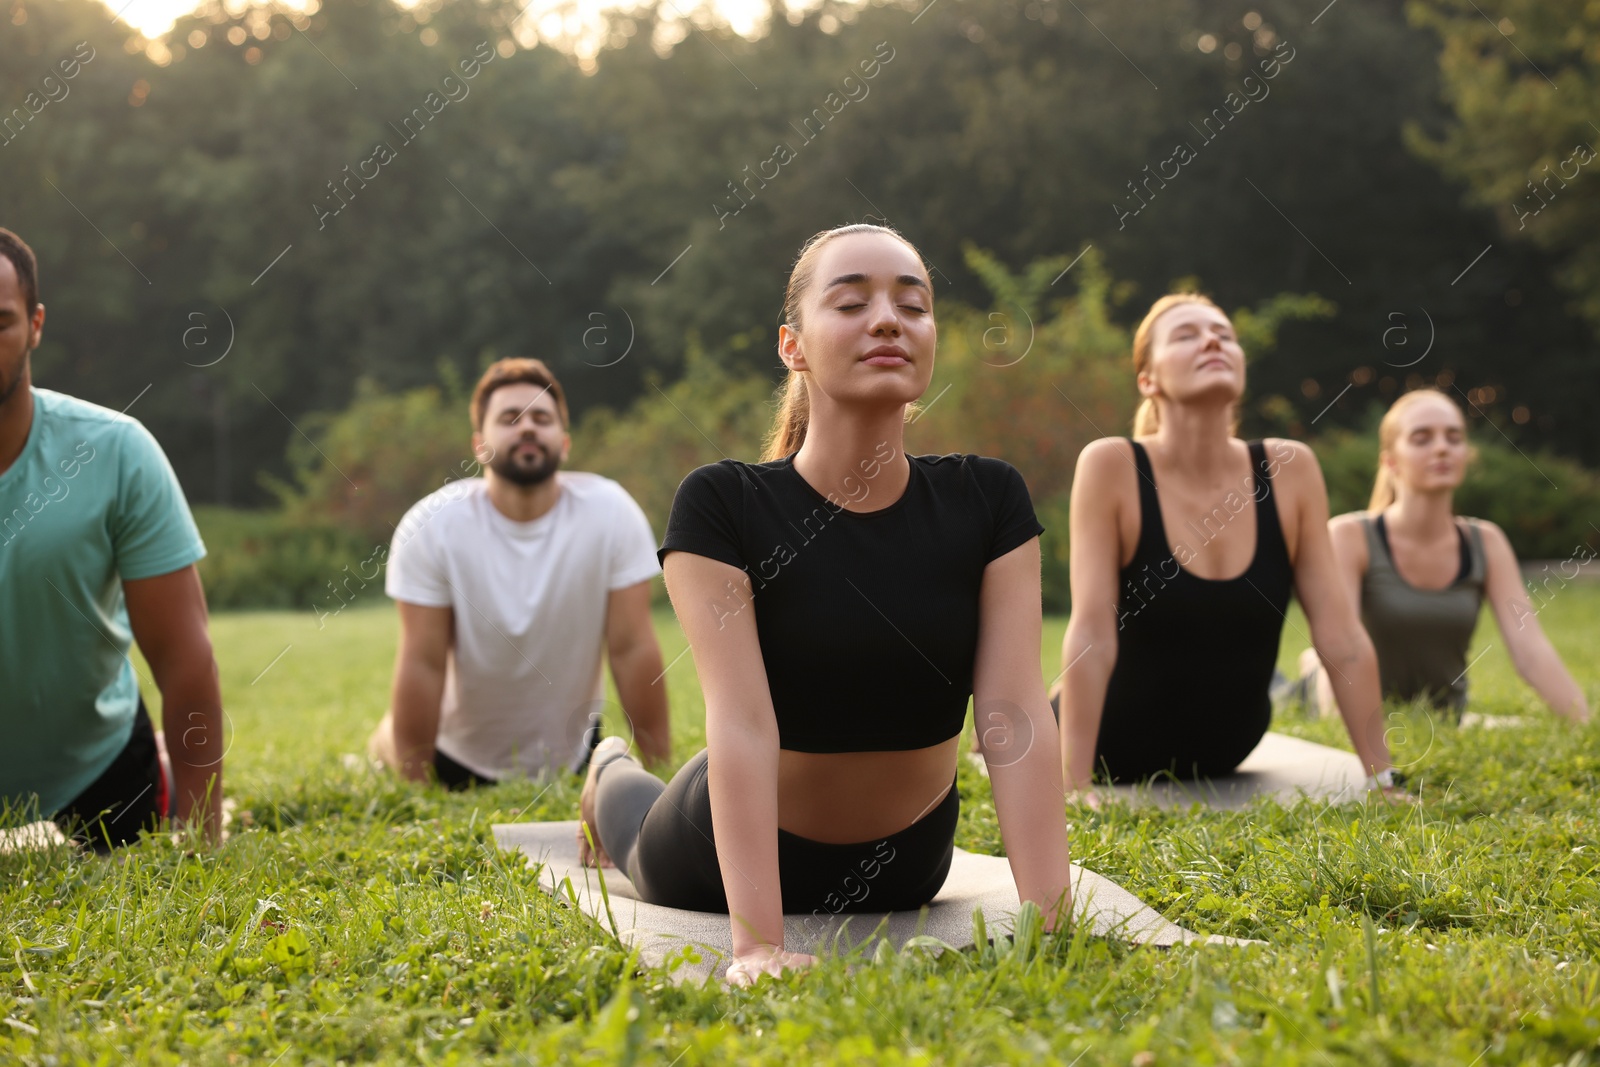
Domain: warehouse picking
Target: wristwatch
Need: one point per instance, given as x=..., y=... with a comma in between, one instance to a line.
x=1388, y=778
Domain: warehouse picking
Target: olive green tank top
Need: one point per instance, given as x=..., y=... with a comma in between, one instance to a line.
x=1422, y=634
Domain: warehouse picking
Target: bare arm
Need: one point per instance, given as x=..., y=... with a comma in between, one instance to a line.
x=741, y=742
x=419, y=670
x=1089, y=650
x=1531, y=652
x=1324, y=592
x=168, y=617
x=1350, y=553
x=1023, y=753
x=636, y=665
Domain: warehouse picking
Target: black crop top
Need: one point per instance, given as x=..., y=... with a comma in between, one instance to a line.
x=868, y=621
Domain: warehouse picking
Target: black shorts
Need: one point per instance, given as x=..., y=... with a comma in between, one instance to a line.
x=129, y=796
x=454, y=776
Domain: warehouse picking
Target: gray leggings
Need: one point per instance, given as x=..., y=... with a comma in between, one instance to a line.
x=660, y=835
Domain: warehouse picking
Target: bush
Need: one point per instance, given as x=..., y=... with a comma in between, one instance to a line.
x=266, y=559
x=1547, y=505
x=1027, y=383
x=1033, y=383
x=362, y=468
x=1053, y=516
x=708, y=414
x=353, y=476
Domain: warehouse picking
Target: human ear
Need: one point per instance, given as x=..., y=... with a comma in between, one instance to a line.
x=789, y=348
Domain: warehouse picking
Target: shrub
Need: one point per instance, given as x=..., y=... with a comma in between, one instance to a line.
x=1547, y=505
x=362, y=468
x=1033, y=384
x=708, y=414
x=264, y=559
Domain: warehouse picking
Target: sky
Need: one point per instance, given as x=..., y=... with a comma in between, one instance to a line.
x=155, y=17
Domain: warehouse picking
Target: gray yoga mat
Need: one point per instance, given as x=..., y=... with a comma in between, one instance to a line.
x=975, y=881
x=1284, y=768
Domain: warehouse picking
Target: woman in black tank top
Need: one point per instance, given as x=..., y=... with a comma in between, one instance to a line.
x=1177, y=611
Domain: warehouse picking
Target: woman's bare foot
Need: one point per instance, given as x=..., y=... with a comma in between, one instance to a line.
x=609, y=748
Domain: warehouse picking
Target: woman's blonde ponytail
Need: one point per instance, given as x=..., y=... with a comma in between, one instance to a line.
x=788, y=430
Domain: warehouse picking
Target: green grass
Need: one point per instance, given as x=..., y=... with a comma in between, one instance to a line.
x=352, y=918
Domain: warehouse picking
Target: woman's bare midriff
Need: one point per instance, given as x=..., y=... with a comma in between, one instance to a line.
x=843, y=798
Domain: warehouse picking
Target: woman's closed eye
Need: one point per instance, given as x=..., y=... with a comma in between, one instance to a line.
x=857, y=307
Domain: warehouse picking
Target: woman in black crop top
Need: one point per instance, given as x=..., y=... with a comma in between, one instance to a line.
x=843, y=600
x=1186, y=544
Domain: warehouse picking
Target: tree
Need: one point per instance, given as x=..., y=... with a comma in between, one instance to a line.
x=1526, y=96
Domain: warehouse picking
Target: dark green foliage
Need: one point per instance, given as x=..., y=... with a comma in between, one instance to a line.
x=264, y=559
x=549, y=202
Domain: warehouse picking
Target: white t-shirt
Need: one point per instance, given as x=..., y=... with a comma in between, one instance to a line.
x=523, y=679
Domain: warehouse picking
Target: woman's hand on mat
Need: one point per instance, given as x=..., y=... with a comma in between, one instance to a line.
x=746, y=969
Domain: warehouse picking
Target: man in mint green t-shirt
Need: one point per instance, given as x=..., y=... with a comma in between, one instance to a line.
x=97, y=549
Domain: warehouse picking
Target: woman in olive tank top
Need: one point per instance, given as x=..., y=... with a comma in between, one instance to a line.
x=1420, y=573
x=1186, y=545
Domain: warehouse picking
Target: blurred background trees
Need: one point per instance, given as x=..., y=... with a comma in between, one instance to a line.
x=1360, y=219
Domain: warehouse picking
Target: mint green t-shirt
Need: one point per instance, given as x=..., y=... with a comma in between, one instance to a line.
x=90, y=502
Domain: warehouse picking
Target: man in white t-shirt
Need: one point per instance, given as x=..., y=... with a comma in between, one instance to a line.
x=509, y=586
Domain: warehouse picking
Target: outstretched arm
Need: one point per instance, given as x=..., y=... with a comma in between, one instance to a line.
x=742, y=749
x=1531, y=651
x=1336, y=630
x=1018, y=734
x=1089, y=650
x=419, y=671
x=636, y=665
x=168, y=617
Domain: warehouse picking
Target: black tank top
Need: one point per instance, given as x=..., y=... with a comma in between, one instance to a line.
x=1195, y=656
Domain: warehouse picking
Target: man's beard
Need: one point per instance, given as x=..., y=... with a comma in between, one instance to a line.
x=536, y=469
x=9, y=386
